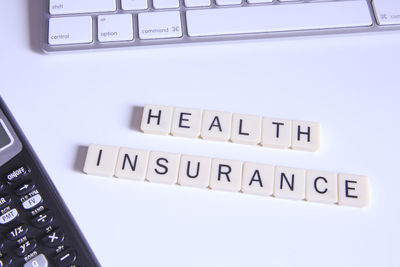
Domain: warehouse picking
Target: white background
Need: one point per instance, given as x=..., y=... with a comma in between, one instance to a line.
x=348, y=83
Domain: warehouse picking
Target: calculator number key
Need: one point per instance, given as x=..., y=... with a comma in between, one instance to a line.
x=38, y=261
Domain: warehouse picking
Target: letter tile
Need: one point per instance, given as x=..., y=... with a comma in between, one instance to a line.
x=156, y=119
x=186, y=122
x=246, y=129
x=305, y=135
x=276, y=133
x=163, y=167
x=194, y=171
x=132, y=164
x=226, y=175
x=322, y=186
x=258, y=179
x=100, y=160
x=290, y=183
x=216, y=125
x=353, y=190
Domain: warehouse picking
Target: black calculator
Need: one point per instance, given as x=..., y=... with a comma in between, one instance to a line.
x=36, y=228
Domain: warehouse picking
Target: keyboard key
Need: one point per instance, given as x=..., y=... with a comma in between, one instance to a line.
x=26, y=247
x=228, y=2
x=59, y=7
x=4, y=201
x=273, y=18
x=115, y=28
x=9, y=216
x=24, y=188
x=259, y=1
x=38, y=261
x=387, y=12
x=134, y=4
x=32, y=202
x=197, y=3
x=53, y=239
x=165, y=4
x=70, y=30
x=17, y=174
x=157, y=25
x=17, y=232
x=65, y=258
x=43, y=219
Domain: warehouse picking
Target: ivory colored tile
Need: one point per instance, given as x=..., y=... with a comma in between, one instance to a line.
x=353, y=190
x=321, y=186
x=216, y=125
x=246, y=129
x=156, y=119
x=186, y=122
x=163, y=167
x=258, y=179
x=226, y=175
x=305, y=135
x=132, y=164
x=194, y=171
x=290, y=183
x=276, y=133
x=100, y=160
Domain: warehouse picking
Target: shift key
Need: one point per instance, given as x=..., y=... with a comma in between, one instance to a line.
x=70, y=30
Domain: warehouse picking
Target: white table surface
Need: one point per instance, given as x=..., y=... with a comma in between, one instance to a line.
x=350, y=84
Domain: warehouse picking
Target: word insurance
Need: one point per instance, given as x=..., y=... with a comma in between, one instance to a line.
x=228, y=175
x=225, y=126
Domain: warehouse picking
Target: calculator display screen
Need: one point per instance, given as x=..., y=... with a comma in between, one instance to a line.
x=5, y=138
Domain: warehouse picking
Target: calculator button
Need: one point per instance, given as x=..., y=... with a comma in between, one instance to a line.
x=53, y=239
x=17, y=232
x=32, y=202
x=5, y=200
x=43, y=219
x=17, y=174
x=5, y=261
x=65, y=258
x=25, y=188
x=26, y=247
x=9, y=216
x=38, y=261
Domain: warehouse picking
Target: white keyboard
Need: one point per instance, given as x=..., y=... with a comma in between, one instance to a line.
x=93, y=24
